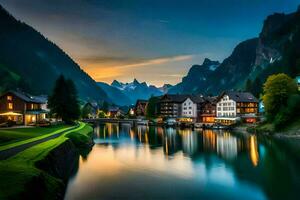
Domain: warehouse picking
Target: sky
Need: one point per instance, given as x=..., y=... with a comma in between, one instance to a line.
x=156, y=41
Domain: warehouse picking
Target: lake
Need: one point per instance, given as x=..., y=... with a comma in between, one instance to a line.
x=167, y=163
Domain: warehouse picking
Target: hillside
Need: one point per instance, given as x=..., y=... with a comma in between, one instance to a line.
x=31, y=62
x=277, y=49
x=117, y=96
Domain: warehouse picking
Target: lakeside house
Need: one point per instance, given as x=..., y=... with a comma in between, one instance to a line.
x=185, y=108
x=114, y=112
x=234, y=106
x=170, y=105
x=22, y=108
x=140, y=108
x=207, y=111
x=93, y=109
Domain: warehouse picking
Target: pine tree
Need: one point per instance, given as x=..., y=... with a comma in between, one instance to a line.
x=63, y=101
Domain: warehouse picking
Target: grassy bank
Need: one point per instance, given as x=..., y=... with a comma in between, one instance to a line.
x=20, y=172
x=291, y=129
x=12, y=135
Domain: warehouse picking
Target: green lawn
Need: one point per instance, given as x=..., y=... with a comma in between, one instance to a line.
x=8, y=136
x=17, y=173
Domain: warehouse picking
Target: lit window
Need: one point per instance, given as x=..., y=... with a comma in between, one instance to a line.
x=10, y=106
x=9, y=98
x=32, y=106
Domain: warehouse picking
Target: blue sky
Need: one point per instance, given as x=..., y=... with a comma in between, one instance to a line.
x=155, y=41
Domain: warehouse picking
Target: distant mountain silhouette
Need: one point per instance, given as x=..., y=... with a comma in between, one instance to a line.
x=133, y=91
x=31, y=62
x=277, y=49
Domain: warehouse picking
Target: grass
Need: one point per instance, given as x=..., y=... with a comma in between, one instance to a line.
x=18, y=172
x=13, y=135
x=292, y=128
x=11, y=145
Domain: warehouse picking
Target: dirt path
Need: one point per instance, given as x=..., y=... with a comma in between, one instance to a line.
x=7, y=153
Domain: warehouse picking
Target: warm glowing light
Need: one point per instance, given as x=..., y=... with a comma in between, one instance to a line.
x=253, y=150
x=10, y=106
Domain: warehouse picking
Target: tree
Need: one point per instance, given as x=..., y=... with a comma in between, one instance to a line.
x=151, y=107
x=277, y=89
x=63, y=101
x=105, y=106
x=85, y=111
x=101, y=114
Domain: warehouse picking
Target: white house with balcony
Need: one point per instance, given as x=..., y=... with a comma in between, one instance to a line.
x=232, y=106
x=189, y=108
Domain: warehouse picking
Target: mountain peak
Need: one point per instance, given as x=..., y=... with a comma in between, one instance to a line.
x=208, y=62
x=135, y=81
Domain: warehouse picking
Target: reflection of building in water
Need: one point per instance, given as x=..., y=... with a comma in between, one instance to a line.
x=170, y=141
x=189, y=141
x=227, y=146
x=209, y=140
x=253, y=150
x=142, y=133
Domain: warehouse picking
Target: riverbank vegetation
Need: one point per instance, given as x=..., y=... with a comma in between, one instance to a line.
x=281, y=99
x=39, y=171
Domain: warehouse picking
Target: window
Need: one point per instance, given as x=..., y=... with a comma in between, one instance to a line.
x=9, y=98
x=10, y=106
x=190, y=112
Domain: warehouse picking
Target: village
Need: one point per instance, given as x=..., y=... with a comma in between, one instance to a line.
x=19, y=108
x=230, y=108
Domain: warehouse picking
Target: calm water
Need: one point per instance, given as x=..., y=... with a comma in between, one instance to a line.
x=165, y=163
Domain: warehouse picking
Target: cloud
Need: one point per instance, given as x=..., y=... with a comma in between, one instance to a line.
x=158, y=61
x=129, y=62
x=172, y=75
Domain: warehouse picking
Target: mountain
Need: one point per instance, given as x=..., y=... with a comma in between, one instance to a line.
x=136, y=90
x=117, y=96
x=197, y=77
x=165, y=88
x=31, y=62
x=275, y=50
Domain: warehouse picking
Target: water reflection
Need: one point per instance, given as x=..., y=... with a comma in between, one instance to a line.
x=222, y=143
x=167, y=163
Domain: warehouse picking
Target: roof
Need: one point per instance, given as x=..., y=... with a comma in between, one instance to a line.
x=91, y=104
x=179, y=98
x=141, y=101
x=240, y=96
x=211, y=99
x=42, y=99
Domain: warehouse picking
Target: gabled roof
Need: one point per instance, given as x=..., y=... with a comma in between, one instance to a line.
x=177, y=98
x=27, y=97
x=141, y=101
x=211, y=99
x=240, y=96
x=180, y=98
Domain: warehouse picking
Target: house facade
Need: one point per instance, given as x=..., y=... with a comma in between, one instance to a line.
x=189, y=108
x=140, y=107
x=93, y=108
x=22, y=108
x=207, y=112
x=234, y=106
x=169, y=105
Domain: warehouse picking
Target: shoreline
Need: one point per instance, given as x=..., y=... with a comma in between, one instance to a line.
x=45, y=169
